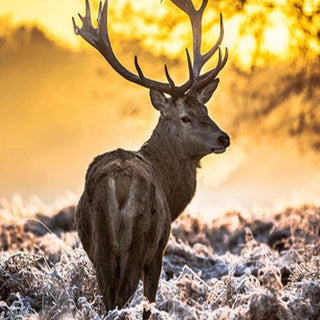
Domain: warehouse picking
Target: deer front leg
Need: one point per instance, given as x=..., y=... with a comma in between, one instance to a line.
x=151, y=280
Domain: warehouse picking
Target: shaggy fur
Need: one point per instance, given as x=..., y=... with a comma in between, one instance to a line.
x=130, y=198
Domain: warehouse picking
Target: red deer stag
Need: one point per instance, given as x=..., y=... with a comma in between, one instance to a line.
x=130, y=198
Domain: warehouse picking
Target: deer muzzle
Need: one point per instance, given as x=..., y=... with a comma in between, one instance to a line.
x=223, y=141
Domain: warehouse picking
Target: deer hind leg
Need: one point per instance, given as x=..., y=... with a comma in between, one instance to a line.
x=107, y=280
x=118, y=278
x=151, y=280
x=131, y=272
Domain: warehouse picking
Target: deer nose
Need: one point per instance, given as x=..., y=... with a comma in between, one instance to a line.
x=224, y=140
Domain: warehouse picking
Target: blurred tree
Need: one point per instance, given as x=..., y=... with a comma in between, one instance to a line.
x=292, y=85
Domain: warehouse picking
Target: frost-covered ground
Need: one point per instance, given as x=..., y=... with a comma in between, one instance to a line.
x=232, y=268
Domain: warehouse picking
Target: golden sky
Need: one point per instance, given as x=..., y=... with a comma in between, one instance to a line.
x=61, y=106
x=53, y=16
x=145, y=20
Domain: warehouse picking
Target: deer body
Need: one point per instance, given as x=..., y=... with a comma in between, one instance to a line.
x=125, y=214
x=173, y=169
x=123, y=222
x=130, y=198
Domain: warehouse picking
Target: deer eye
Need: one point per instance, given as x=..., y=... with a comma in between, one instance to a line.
x=185, y=119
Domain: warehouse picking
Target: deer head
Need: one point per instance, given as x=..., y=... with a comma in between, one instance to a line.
x=182, y=107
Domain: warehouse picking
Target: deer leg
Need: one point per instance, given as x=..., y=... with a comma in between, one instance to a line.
x=118, y=279
x=130, y=272
x=151, y=280
x=128, y=285
x=106, y=276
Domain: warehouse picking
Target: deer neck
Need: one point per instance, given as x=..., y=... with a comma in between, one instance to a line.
x=174, y=168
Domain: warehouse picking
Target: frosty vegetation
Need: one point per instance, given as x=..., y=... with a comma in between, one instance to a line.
x=232, y=268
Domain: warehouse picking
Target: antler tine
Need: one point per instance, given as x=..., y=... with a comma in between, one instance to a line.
x=172, y=84
x=87, y=31
x=87, y=17
x=195, y=17
x=191, y=77
x=88, y=10
x=206, y=78
x=103, y=26
x=139, y=70
x=203, y=6
x=99, y=39
x=214, y=72
x=199, y=59
x=225, y=59
x=185, y=5
x=188, y=84
x=210, y=53
x=75, y=27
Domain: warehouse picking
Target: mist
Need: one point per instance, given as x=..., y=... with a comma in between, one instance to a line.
x=60, y=108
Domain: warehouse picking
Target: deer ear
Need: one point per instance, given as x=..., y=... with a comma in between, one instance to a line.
x=158, y=100
x=206, y=93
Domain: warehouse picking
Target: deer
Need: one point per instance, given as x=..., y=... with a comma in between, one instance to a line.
x=130, y=198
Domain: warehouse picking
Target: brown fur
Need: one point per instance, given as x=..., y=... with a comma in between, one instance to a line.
x=130, y=199
x=128, y=241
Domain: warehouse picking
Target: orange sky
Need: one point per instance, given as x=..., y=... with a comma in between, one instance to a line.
x=60, y=106
x=55, y=17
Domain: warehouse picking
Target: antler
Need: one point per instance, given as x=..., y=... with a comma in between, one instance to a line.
x=99, y=39
x=199, y=59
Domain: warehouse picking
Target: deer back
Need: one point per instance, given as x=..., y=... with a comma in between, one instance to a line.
x=122, y=206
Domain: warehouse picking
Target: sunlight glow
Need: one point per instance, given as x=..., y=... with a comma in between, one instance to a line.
x=54, y=16
x=247, y=47
x=276, y=37
x=165, y=31
x=44, y=84
x=308, y=7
